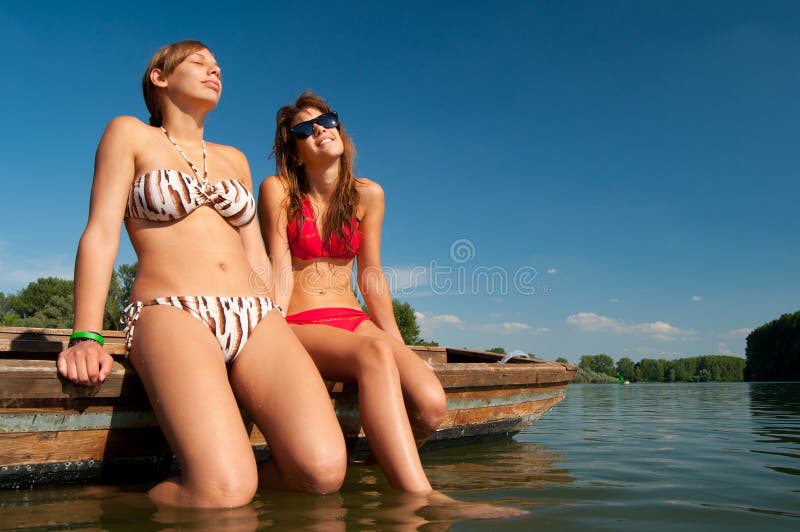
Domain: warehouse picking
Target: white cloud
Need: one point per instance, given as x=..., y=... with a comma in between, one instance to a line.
x=614, y=300
x=552, y=271
x=722, y=349
x=658, y=330
x=737, y=333
x=697, y=298
x=431, y=321
x=509, y=327
x=514, y=326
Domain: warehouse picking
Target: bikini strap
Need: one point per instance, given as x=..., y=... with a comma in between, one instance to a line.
x=203, y=179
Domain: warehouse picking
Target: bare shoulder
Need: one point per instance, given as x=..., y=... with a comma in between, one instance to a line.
x=227, y=151
x=128, y=127
x=123, y=138
x=369, y=191
x=237, y=165
x=273, y=187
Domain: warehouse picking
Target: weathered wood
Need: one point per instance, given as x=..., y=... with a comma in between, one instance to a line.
x=78, y=445
x=43, y=341
x=476, y=416
x=477, y=375
x=431, y=354
x=39, y=379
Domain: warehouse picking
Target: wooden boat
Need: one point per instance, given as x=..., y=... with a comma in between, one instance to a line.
x=53, y=431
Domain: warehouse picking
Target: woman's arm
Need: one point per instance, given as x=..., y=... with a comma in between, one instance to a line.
x=273, y=219
x=260, y=278
x=87, y=362
x=371, y=281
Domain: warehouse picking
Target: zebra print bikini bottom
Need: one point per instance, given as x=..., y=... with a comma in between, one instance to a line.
x=230, y=319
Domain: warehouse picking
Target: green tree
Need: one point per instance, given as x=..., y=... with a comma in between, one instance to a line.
x=773, y=350
x=57, y=314
x=36, y=296
x=601, y=363
x=49, y=302
x=5, y=312
x=119, y=294
x=562, y=360
x=499, y=350
x=406, y=321
x=626, y=368
x=587, y=376
x=650, y=370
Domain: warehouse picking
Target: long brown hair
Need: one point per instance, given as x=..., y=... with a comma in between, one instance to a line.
x=341, y=211
x=165, y=60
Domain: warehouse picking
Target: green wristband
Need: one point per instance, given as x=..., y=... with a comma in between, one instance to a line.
x=80, y=336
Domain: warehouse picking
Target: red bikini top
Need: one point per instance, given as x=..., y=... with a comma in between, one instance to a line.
x=305, y=243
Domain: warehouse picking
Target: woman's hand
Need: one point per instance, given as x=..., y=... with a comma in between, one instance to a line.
x=86, y=363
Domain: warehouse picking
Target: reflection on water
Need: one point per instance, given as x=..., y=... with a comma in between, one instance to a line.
x=776, y=418
x=507, y=464
x=365, y=501
x=659, y=457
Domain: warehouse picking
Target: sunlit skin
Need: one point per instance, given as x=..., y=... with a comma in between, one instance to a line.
x=401, y=402
x=193, y=393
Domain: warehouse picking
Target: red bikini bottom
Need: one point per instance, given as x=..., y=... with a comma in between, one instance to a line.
x=343, y=318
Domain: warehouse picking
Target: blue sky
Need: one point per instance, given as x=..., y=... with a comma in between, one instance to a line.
x=564, y=178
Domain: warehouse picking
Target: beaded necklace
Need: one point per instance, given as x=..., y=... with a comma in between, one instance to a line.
x=203, y=179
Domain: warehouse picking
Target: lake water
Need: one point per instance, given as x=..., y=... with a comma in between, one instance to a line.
x=609, y=457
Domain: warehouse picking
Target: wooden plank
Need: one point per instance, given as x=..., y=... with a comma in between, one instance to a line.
x=60, y=421
x=470, y=416
x=444, y=437
x=27, y=342
x=39, y=379
x=55, y=419
x=23, y=333
x=430, y=354
x=77, y=445
x=502, y=397
x=464, y=375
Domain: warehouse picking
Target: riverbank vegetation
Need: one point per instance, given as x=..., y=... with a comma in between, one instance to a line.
x=773, y=350
x=709, y=368
x=48, y=302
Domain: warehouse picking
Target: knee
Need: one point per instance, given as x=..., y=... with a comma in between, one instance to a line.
x=323, y=475
x=376, y=356
x=230, y=489
x=430, y=409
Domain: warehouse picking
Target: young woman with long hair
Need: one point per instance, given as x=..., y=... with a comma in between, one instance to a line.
x=318, y=220
x=206, y=336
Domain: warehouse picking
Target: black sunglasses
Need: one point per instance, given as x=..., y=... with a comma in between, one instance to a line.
x=303, y=130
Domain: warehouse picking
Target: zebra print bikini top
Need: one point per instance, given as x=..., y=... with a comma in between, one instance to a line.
x=164, y=195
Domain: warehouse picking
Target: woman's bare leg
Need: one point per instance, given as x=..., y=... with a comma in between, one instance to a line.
x=345, y=356
x=281, y=389
x=423, y=393
x=180, y=365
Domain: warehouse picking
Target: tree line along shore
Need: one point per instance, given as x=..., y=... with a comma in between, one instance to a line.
x=772, y=353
